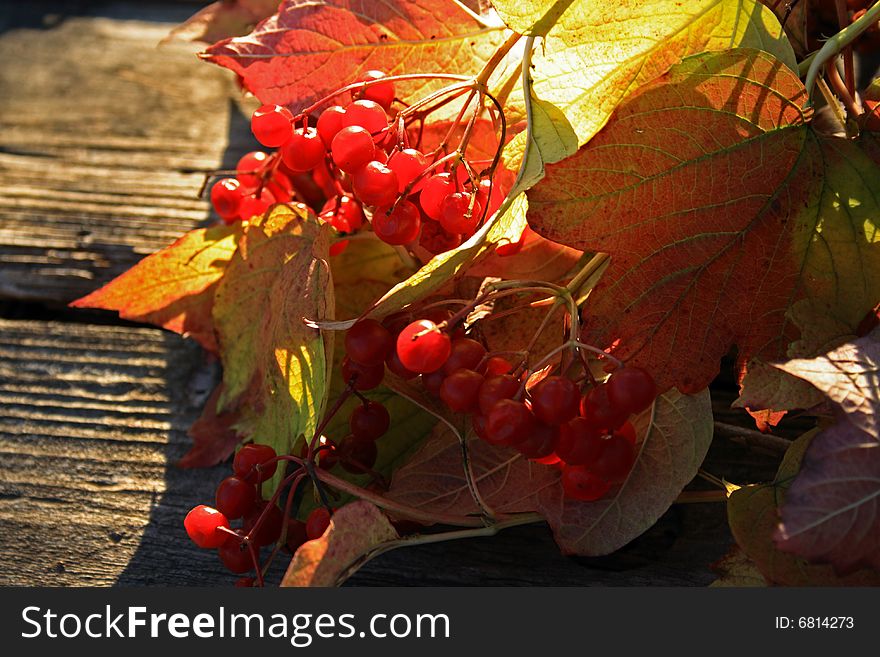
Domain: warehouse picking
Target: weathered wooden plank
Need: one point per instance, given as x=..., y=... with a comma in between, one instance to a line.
x=104, y=140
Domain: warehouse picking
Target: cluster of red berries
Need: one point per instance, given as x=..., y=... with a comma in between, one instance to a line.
x=262, y=522
x=551, y=422
x=360, y=155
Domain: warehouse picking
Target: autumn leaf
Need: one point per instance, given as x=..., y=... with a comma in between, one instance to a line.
x=674, y=437
x=736, y=569
x=173, y=288
x=753, y=514
x=214, y=438
x=310, y=49
x=689, y=219
x=274, y=365
x=832, y=510
x=355, y=530
x=224, y=19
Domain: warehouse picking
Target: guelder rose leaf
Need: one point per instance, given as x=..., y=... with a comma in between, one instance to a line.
x=214, y=438
x=355, y=530
x=309, y=49
x=224, y=19
x=173, y=288
x=689, y=219
x=674, y=437
x=275, y=367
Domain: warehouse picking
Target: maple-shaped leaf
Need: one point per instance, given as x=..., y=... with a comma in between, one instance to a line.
x=223, y=20
x=714, y=232
x=309, y=49
x=832, y=510
x=173, y=288
x=275, y=366
x=674, y=436
x=356, y=530
x=214, y=438
x=753, y=515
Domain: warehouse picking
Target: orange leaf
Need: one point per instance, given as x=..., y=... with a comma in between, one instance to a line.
x=173, y=288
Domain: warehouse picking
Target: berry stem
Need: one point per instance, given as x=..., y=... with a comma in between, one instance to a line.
x=848, y=63
x=482, y=78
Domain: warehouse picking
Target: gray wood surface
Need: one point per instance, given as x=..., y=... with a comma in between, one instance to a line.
x=103, y=142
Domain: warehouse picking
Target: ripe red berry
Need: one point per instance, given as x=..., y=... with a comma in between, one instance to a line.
x=366, y=114
x=631, y=389
x=459, y=390
x=375, y=184
x=272, y=125
x=399, y=226
x=202, y=524
x=328, y=455
x=433, y=381
x=249, y=167
x=317, y=523
x=226, y=195
x=435, y=191
x=329, y=123
x=628, y=431
x=579, y=483
x=465, y=354
x=236, y=556
x=380, y=92
x=422, y=347
x=367, y=342
x=616, y=460
x=436, y=240
x=408, y=164
x=296, y=534
x=596, y=407
x=458, y=216
x=343, y=209
x=269, y=530
x=352, y=148
x=254, y=206
x=555, y=400
x=254, y=463
x=509, y=423
x=303, y=151
x=365, y=377
x=540, y=443
x=396, y=367
x=497, y=365
x=357, y=455
x=235, y=497
x=369, y=421
x=494, y=389
x=580, y=443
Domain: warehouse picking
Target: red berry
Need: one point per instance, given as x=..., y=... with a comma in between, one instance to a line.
x=328, y=456
x=494, y=389
x=226, y=195
x=628, y=431
x=375, y=184
x=478, y=422
x=329, y=123
x=396, y=367
x=343, y=209
x=580, y=443
x=509, y=423
x=381, y=92
x=436, y=240
x=253, y=205
x=369, y=421
x=272, y=125
x=616, y=460
x=202, y=524
x=435, y=191
x=459, y=390
x=366, y=114
x=249, y=167
x=367, y=342
x=579, y=483
x=465, y=354
x=303, y=151
x=497, y=365
x=596, y=407
x=317, y=523
x=408, y=164
x=555, y=400
x=352, y=148
x=235, y=497
x=458, y=216
x=540, y=443
x=269, y=530
x=236, y=556
x=357, y=455
x=422, y=347
x=296, y=534
x=631, y=389
x=399, y=226
x=368, y=376
x=433, y=381
x=254, y=463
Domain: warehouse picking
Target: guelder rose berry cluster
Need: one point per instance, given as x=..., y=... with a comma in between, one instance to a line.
x=364, y=155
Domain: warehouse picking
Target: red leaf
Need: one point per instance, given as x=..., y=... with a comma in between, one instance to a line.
x=213, y=436
x=309, y=49
x=173, y=288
